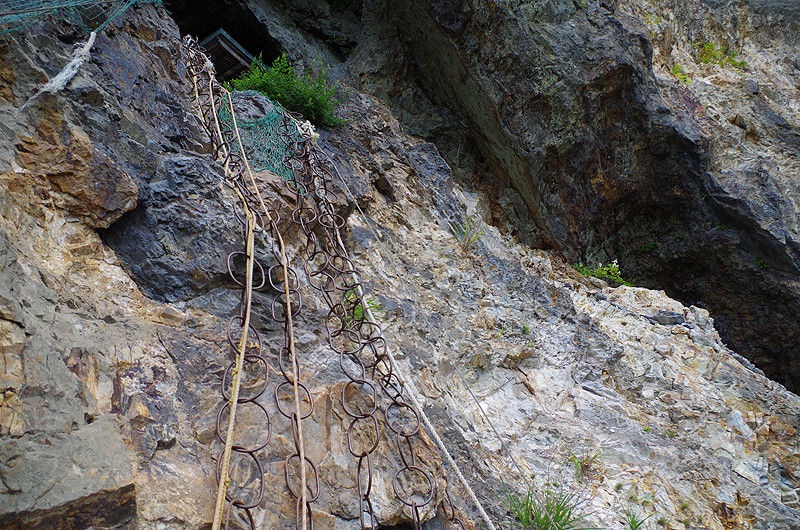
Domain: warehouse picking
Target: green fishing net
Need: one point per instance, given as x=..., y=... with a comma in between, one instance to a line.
x=267, y=143
x=89, y=15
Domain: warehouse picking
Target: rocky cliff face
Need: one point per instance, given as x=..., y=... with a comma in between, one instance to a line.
x=613, y=162
x=585, y=141
x=113, y=289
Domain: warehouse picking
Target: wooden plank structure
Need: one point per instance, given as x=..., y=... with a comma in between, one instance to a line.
x=228, y=56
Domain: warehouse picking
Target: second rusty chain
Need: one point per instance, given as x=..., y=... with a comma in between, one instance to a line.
x=357, y=339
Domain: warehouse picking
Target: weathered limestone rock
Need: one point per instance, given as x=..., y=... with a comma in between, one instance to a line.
x=110, y=393
x=751, y=119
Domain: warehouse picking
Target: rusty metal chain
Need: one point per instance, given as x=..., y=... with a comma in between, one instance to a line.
x=246, y=496
x=449, y=509
x=358, y=341
x=327, y=276
x=210, y=99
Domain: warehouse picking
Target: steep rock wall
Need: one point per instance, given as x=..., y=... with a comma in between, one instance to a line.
x=753, y=126
x=110, y=392
x=561, y=98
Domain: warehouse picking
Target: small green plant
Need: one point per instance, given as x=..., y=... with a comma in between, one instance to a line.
x=467, y=234
x=712, y=53
x=553, y=510
x=647, y=247
x=632, y=520
x=669, y=433
x=762, y=264
x=647, y=428
x=680, y=73
x=609, y=272
x=307, y=94
x=722, y=226
x=684, y=506
x=526, y=329
x=357, y=313
x=583, y=464
x=662, y=521
x=652, y=20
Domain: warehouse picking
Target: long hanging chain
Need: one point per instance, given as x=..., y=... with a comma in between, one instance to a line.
x=249, y=347
x=358, y=340
x=208, y=94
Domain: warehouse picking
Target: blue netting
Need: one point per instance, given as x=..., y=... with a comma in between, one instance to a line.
x=89, y=15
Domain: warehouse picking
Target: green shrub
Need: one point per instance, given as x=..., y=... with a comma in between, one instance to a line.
x=307, y=94
x=711, y=53
x=679, y=72
x=609, y=272
x=555, y=510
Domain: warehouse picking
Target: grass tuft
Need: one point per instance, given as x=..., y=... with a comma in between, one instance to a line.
x=632, y=520
x=468, y=234
x=554, y=510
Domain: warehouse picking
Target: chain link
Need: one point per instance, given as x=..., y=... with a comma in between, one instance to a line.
x=351, y=334
x=358, y=341
x=210, y=98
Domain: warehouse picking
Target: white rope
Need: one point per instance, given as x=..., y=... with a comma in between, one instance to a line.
x=305, y=517
x=452, y=363
x=60, y=81
x=407, y=381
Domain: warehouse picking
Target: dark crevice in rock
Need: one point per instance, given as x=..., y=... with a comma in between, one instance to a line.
x=574, y=120
x=204, y=18
x=113, y=509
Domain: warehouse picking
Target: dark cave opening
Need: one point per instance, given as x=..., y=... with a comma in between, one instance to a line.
x=202, y=19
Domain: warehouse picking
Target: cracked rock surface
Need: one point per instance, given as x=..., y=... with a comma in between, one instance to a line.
x=113, y=305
